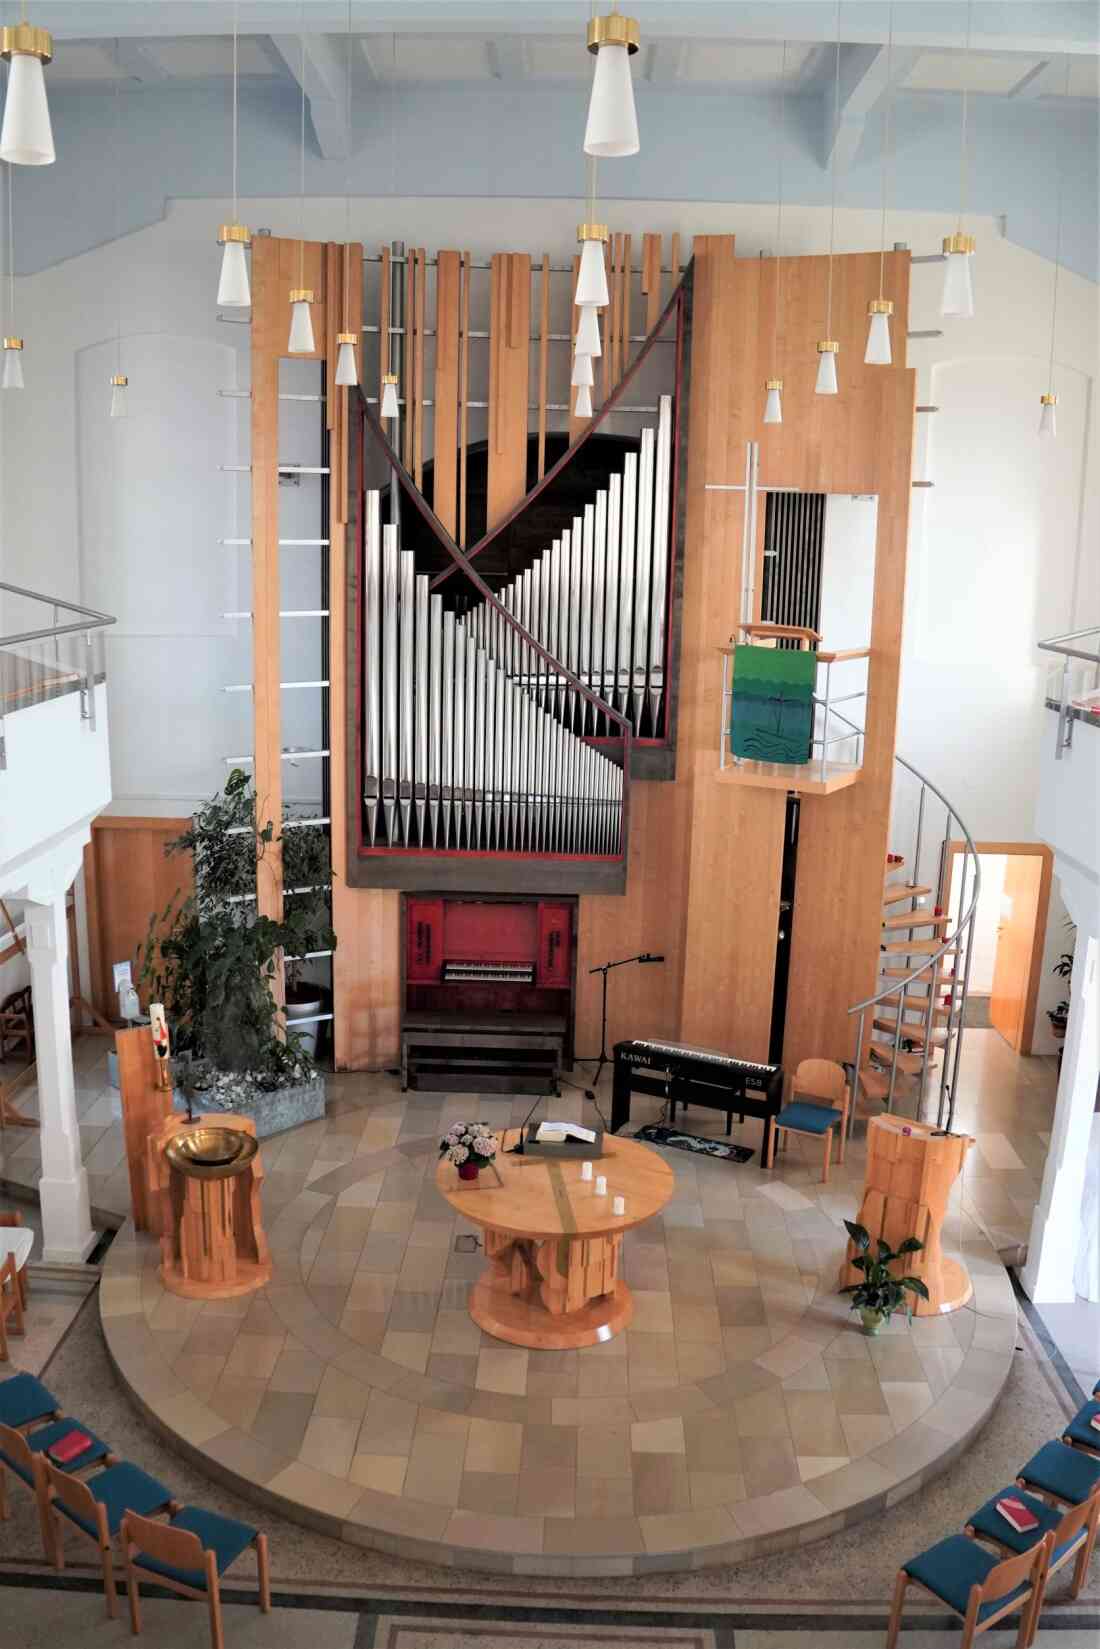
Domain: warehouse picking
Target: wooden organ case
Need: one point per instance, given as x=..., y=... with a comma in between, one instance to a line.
x=488, y=993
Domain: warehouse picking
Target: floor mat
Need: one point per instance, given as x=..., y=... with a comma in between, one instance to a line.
x=654, y=1134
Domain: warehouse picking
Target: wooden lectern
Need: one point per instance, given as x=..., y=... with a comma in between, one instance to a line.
x=146, y=1102
x=911, y=1168
x=212, y=1243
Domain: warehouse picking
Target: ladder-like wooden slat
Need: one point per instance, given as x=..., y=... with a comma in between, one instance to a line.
x=674, y=258
x=624, y=315
x=509, y=375
x=384, y=320
x=605, y=319
x=651, y=279
x=911, y=1031
x=544, y=359
x=576, y=425
x=421, y=261
x=448, y=326
x=464, y=398
x=405, y=388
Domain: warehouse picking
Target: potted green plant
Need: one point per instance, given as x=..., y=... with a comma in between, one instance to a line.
x=881, y=1293
x=1059, y=1015
x=213, y=960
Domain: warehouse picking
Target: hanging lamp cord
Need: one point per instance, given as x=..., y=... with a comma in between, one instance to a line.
x=1057, y=250
x=779, y=207
x=302, y=162
x=887, y=156
x=832, y=214
x=235, y=76
x=347, y=177
x=965, y=122
x=11, y=247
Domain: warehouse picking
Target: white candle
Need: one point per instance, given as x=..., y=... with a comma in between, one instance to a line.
x=586, y=1170
x=601, y=1186
x=618, y=1205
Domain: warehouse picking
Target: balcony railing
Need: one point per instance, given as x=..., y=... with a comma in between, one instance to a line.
x=1075, y=691
x=44, y=654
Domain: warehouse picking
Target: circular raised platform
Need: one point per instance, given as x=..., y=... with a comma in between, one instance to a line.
x=742, y=1411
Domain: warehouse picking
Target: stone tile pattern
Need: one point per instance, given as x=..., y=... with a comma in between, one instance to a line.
x=742, y=1412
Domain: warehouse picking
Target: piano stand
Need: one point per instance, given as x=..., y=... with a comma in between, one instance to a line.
x=672, y=1104
x=685, y=1075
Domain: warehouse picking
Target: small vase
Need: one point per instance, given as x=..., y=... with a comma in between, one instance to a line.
x=872, y=1321
x=468, y=1170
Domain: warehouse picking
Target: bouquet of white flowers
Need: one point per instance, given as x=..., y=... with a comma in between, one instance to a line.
x=469, y=1142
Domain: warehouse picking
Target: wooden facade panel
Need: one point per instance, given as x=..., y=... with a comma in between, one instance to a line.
x=128, y=878
x=509, y=381
x=448, y=325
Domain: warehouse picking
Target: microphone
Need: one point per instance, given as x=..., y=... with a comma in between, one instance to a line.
x=648, y=958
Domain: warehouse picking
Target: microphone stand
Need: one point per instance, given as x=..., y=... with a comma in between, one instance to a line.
x=603, y=1057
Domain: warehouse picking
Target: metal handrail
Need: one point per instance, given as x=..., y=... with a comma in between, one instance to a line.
x=1057, y=644
x=963, y=924
x=93, y=619
x=1063, y=738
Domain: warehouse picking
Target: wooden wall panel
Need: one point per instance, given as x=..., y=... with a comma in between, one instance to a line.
x=448, y=325
x=127, y=878
x=509, y=380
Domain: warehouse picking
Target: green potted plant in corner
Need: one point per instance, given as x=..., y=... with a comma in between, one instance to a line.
x=881, y=1293
x=1059, y=1015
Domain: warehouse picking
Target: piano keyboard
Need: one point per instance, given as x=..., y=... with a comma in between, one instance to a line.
x=636, y=1051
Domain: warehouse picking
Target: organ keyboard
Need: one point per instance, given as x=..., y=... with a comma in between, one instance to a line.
x=687, y=1075
x=496, y=973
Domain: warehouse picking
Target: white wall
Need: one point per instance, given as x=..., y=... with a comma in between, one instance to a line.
x=993, y=548
x=987, y=920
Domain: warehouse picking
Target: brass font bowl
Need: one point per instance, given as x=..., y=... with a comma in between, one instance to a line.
x=211, y=1153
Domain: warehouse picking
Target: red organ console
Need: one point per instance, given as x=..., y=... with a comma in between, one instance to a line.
x=488, y=993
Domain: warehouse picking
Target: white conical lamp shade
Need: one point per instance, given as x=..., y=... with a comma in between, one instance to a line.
x=583, y=376
x=26, y=138
x=773, y=405
x=612, y=127
x=301, y=329
x=958, y=286
x=233, y=288
x=582, y=407
x=118, y=400
x=346, y=370
x=13, y=369
x=588, y=332
x=389, y=407
x=592, y=275
x=877, y=352
x=826, y=373
x=1048, y=422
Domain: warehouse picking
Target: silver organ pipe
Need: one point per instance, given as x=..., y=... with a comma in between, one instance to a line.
x=643, y=575
x=389, y=678
x=372, y=642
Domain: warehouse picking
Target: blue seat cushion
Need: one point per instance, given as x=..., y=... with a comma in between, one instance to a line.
x=804, y=1118
x=120, y=1489
x=1079, y=1429
x=952, y=1567
x=1057, y=1469
x=39, y=1441
x=23, y=1399
x=223, y=1536
x=987, y=1520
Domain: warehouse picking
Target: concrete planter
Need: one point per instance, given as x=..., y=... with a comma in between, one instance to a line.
x=272, y=1110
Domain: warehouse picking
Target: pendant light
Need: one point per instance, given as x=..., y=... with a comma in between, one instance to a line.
x=12, y=376
x=233, y=288
x=612, y=127
x=582, y=407
x=389, y=407
x=301, y=296
x=26, y=137
x=592, y=275
x=828, y=347
x=1048, y=417
x=773, y=387
x=878, y=352
x=583, y=375
x=588, y=332
x=119, y=386
x=958, y=285
x=347, y=368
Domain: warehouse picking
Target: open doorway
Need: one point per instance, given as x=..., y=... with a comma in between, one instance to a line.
x=1006, y=965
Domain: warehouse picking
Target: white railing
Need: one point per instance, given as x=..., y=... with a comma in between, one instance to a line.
x=41, y=661
x=1080, y=675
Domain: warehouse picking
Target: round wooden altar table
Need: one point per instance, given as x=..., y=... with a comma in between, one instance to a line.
x=553, y=1245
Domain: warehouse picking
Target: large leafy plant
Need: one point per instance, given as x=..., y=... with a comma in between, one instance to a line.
x=880, y=1290
x=212, y=959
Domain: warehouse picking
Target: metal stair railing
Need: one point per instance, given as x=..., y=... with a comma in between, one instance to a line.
x=960, y=940
x=43, y=660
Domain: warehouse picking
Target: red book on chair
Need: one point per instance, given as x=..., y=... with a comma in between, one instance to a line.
x=1014, y=1511
x=69, y=1447
x=1094, y=1422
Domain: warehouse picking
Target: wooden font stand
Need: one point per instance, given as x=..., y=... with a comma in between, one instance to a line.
x=910, y=1171
x=145, y=1106
x=212, y=1240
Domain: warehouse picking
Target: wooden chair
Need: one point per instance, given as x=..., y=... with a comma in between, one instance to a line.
x=823, y=1104
x=190, y=1554
x=13, y=1221
x=26, y=1402
x=19, y=1453
x=1072, y=1534
x=962, y=1574
x=1081, y=1433
x=96, y=1510
x=11, y=1303
x=1060, y=1475
x=17, y=1023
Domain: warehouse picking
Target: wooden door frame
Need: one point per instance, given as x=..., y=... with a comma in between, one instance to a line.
x=1033, y=850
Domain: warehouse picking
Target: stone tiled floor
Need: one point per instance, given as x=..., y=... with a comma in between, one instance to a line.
x=742, y=1407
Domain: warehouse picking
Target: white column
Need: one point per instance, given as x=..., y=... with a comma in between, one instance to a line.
x=67, y=1233
x=1047, y=1277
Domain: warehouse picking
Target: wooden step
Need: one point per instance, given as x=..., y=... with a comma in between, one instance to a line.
x=917, y=947
x=913, y=1004
x=914, y=919
x=941, y=980
x=893, y=891
x=909, y=1063
x=911, y=1030
x=875, y=1084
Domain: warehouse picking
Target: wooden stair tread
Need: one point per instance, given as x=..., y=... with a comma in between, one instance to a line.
x=911, y=1064
x=914, y=1004
x=936, y=977
x=911, y=1031
x=914, y=919
x=875, y=1084
x=917, y=947
x=893, y=891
